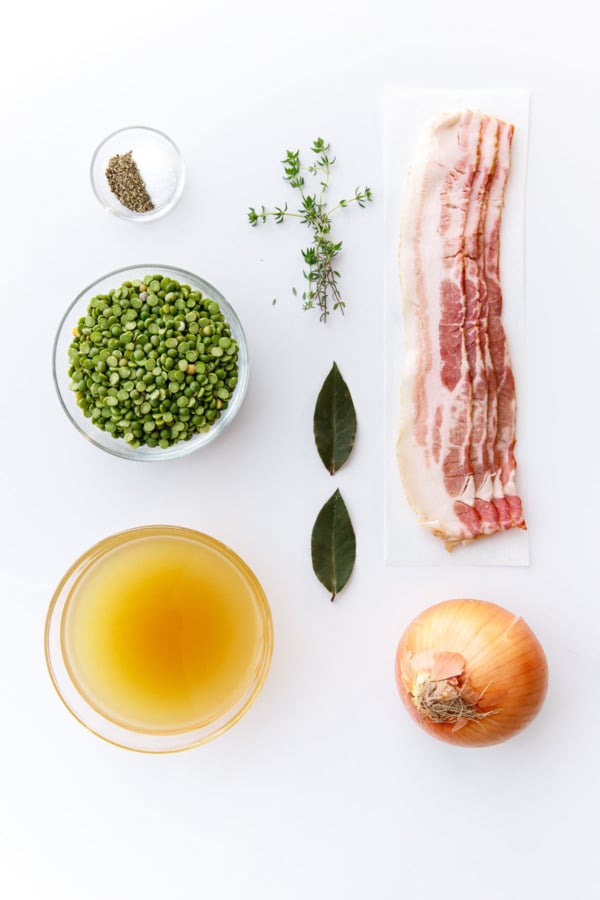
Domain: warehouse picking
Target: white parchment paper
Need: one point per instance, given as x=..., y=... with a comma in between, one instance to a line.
x=406, y=114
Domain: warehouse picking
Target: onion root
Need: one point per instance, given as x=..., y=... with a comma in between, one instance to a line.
x=447, y=700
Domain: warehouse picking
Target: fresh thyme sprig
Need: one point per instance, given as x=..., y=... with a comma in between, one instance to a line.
x=321, y=275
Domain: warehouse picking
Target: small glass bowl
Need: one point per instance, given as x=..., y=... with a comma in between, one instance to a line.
x=159, y=162
x=76, y=694
x=60, y=362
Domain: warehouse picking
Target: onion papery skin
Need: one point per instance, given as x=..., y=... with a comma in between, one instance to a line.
x=505, y=665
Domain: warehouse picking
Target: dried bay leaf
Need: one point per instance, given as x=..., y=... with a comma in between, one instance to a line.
x=333, y=545
x=334, y=421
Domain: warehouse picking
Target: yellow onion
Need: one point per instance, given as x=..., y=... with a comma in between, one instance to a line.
x=470, y=672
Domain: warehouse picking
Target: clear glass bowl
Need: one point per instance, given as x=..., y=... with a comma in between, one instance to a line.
x=103, y=439
x=159, y=162
x=75, y=594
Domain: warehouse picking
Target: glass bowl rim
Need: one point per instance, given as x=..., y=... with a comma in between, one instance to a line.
x=196, y=736
x=181, y=448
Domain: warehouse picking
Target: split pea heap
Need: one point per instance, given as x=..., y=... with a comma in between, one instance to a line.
x=153, y=362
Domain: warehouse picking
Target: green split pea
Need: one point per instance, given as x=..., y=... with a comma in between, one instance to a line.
x=153, y=362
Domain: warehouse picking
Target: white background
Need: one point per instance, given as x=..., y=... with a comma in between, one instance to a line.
x=325, y=789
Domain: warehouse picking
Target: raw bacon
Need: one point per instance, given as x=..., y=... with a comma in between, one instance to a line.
x=457, y=434
x=504, y=437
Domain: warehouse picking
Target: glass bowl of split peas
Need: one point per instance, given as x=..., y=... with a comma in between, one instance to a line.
x=150, y=362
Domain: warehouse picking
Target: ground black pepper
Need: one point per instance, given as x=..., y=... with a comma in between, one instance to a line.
x=127, y=184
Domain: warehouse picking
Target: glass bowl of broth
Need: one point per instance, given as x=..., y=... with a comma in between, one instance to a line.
x=159, y=638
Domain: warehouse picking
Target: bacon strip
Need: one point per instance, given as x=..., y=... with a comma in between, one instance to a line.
x=502, y=450
x=476, y=325
x=457, y=432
